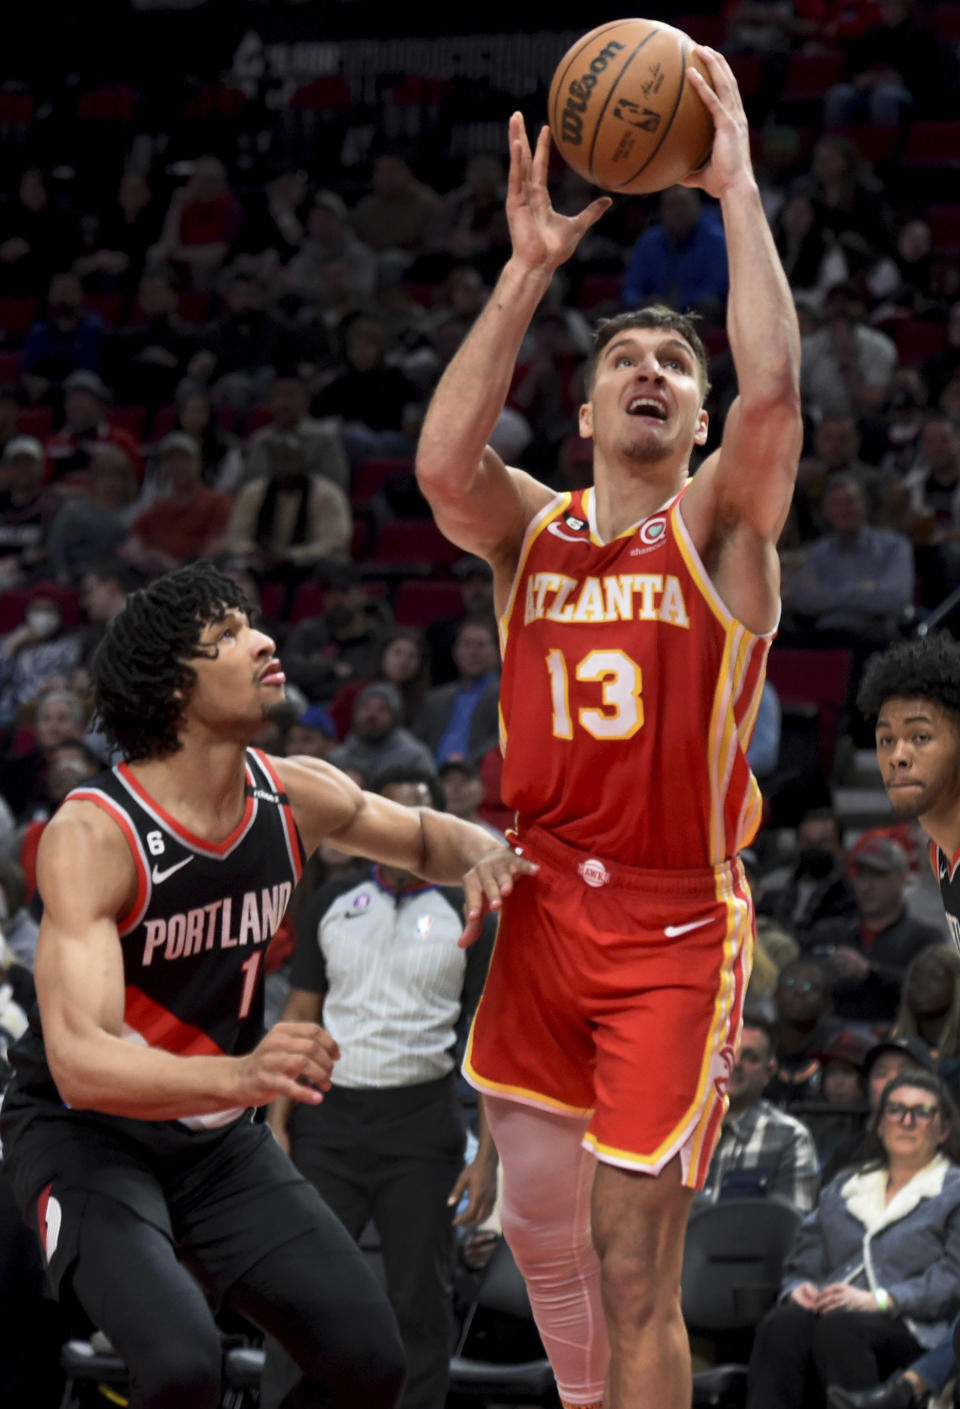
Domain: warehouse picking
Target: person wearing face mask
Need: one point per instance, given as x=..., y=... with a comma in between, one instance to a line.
x=35, y=654
x=816, y=887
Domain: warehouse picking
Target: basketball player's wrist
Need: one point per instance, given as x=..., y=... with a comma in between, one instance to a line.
x=519, y=277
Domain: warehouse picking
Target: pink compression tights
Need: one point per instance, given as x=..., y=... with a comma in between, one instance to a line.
x=547, y=1179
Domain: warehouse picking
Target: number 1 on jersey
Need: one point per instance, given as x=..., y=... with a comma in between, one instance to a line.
x=249, y=968
x=621, y=681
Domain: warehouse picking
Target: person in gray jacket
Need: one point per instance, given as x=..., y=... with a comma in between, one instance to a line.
x=874, y=1275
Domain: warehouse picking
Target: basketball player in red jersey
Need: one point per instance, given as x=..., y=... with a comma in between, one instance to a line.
x=127, y=1130
x=635, y=619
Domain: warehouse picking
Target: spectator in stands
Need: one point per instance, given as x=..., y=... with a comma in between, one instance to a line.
x=774, y=947
x=377, y=961
x=836, y=454
x=772, y=31
x=928, y=506
x=329, y=239
x=884, y=1060
x=124, y=234
x=838, y=1129
x=399, y=212
x=681, y=260
x=403, y=660
x=288, y=521
x=91, y=524
x=804, y=1027
x=320, y=441
x=59, y=715
x=849, y=202
x=104, y=589
x=222, y=460
x=377, y=740
x=811, y=257
x=313, y=733
x=86, y=428
x=871, y=1278
x=904, y=284
x=371, y=396
x=463, y=787
x=9, y=417
x=471, y=224
x=36, y=655
x=944, y=367
x=188, y=522
x=896, y=70
x=867, y=955
x=476, y=589
x=930, y=1008
x=893, y=439
x=852, y=586
x=322, y=653
x=816, y=886
x=64, y=340
x=762, y=1150
x=272, y=224
x=845, y=365
x=17, y=926
x=147, y=362
x=26, y=509
x=461, y=719
x=202, y=220
x=35, y=236
x=240, y=353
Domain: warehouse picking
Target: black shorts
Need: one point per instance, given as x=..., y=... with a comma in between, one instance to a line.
x=224, y=1199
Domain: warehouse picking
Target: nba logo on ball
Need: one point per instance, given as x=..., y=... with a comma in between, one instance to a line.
x=594, y=872
x=622, y=110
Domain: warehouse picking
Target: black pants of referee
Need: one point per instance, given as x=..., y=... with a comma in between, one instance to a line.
x=393, y=1156
x=797, y=1355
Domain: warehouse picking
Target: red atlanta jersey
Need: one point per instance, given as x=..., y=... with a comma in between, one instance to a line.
x=629, y=693
x=196, y=937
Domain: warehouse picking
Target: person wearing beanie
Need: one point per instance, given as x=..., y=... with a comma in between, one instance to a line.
x=377, y=740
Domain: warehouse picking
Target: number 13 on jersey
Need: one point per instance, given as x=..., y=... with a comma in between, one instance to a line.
x=621, y=684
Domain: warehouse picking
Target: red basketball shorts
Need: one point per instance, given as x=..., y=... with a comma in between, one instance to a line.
x=617, y=994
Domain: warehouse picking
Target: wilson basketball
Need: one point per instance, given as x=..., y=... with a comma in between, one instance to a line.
x=622, y=110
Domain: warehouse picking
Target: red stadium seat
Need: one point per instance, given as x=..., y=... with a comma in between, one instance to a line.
x=944, y=20
x=114, y=102
x=944, y=223
x=331, y=94
x=813, y=677
x=414, y=542
x=163, y=422
x=420, y=603
x=17, y=314
x=9, y=367
x=600, y=288
x=107, y=306
x=195, y=305
x=256, y=419
x=749, y=73
x=128, y=418
x=873, y=144
x=918, y=340
x=36, y=420
x=810, y=75
x=371, y=475
x=933, y=144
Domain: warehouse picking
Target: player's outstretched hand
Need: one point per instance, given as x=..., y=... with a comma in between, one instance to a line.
x=294, y=1059
x=730, y=155
x=541, y=237
x=486, y=884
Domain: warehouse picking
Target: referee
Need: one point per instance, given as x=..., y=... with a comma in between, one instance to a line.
x=377, y=962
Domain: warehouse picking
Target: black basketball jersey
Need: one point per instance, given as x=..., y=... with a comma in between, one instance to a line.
x=948, y=874
x=195, y=939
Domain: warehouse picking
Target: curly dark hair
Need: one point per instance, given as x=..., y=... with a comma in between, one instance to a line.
x=657, y=315
x=141, y=678
x=927, y=669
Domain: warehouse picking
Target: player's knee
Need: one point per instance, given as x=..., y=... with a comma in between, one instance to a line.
x=635, y=1294
x=364, y=1363
x=181, y=1374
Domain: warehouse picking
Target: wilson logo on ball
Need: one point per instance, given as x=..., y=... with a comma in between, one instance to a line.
x=578, y=94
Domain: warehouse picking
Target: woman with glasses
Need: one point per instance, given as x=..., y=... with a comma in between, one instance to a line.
x=873, y=1278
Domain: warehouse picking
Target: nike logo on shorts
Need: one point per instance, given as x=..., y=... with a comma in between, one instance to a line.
x=671, y=931
x=159, y=876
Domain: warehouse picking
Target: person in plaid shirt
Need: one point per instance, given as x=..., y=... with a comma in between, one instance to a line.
x=762, y=1150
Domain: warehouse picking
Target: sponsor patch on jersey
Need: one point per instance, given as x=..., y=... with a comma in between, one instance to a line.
x=423, y=925
x=571, y=520
x=361, y=901
x=651, y=534
x=573, y=523
x=594, y=873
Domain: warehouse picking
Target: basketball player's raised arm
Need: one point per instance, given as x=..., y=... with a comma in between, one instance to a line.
x=477, y=501
x=441, y=848
x=87, y=878
x=752, y=476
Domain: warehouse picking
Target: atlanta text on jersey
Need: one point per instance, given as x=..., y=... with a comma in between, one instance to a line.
x=645, y=596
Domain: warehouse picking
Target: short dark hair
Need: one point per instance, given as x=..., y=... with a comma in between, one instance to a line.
x=400, y=774
x=872, y=1149
x=141, y=676
x=656, y=316
x=762, y=1023
x=927, y=669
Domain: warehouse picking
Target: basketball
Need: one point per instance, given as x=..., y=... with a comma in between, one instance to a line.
x=622, y=111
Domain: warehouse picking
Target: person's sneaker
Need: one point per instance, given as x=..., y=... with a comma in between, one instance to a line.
x=895, y=1393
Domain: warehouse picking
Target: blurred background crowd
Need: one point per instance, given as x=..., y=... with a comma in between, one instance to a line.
x=238, y=246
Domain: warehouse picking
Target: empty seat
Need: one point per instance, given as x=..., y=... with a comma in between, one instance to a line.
x=418, y=603
x=416, y=543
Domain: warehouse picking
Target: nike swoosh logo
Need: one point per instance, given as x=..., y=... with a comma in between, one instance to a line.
x=159, y=876
x=671, y=931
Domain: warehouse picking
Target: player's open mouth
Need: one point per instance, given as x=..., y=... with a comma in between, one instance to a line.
x=273, y=674
x=647, y=406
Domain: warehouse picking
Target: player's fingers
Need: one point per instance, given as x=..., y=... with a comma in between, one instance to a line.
x=471, y=930
x=592, y=213
x=710, y=97
x=541, y=157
